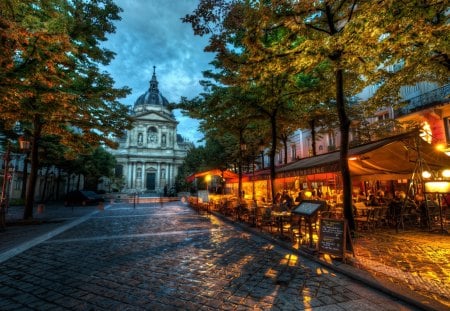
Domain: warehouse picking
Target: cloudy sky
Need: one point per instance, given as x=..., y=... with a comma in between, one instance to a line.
x=151, y=34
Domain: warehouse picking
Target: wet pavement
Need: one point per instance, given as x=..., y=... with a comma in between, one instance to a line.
x=414, y=259
x=166, y=256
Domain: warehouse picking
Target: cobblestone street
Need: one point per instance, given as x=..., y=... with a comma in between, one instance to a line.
x=167, y=257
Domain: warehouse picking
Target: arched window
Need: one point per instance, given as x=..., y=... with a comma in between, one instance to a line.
x=163, y=140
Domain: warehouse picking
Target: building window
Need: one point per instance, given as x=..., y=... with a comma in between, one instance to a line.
x=163, y=140
x=139, y=173
x=447, y=129
x=163, y=173
x=331, y=139
x=293, y=152
x=383, y=116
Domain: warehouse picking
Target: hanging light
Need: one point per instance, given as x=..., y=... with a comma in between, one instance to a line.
x=446, y=173
x=426, y=174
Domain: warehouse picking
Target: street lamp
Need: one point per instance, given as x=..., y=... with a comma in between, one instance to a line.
x=24, y=144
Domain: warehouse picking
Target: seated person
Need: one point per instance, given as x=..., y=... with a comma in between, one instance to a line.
x=300, y=197
x=372, y=201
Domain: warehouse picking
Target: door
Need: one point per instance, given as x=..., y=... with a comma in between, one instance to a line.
x=151, y=177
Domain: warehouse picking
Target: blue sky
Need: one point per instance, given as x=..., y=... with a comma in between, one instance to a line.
x=151, y=34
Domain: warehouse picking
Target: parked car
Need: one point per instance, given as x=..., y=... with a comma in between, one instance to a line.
x=83, y=197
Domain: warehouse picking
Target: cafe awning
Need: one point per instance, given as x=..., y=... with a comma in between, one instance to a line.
x=391, y=158
x=225, y=174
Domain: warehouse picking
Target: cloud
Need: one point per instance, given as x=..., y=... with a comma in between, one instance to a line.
x=151, y=33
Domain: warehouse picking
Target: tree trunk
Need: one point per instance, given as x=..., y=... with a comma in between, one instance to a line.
x=29, y=198
x=344, y=126
x=240, y=166
x=312, y=124
x=44, y=188
x=25, y=176
x=273, y=149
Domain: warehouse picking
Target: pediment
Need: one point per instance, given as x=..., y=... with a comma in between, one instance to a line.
x=154, y=116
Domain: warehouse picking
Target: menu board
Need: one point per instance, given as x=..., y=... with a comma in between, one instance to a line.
x=333, y=236
x=308, y=208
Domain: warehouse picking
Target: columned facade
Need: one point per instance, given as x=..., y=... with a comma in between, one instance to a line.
x=150, y=154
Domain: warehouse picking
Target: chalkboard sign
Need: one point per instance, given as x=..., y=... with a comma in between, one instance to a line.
x=308, y=208
x=333, y=237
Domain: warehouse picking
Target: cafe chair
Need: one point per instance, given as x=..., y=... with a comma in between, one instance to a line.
x=267, y=219
x=365, y=222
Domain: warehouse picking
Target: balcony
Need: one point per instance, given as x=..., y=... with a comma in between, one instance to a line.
x=426, y=100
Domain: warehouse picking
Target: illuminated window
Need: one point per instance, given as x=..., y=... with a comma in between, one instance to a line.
x=425, y=132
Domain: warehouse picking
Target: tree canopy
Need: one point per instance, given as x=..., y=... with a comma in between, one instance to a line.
x=342, y=47
x=50, y=77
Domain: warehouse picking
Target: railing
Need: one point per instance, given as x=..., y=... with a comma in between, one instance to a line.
x=424, y=100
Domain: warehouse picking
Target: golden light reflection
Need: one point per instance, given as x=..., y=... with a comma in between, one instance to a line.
x=290, y=260
x=327, y=258
x=272, y=274
x=306, y=298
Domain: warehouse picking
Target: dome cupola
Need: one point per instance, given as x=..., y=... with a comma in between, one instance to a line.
x=152, y=97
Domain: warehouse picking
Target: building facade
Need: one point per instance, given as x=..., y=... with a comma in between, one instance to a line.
x=425, y=105
x=150, y=154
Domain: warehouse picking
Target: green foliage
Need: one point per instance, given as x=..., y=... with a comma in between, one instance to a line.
x=50, y=79
x=96, y=165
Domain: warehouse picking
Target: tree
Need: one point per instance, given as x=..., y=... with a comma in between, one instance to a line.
x=356, y=42
x=224, y=110
x=97, y=164
x=51, y=79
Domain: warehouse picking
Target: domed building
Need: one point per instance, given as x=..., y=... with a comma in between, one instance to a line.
x=150, y=154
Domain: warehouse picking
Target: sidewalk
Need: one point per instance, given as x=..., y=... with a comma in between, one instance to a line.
x=411, y=264
x=54, y=216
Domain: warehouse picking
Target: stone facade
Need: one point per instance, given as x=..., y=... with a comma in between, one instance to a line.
x=150, y=154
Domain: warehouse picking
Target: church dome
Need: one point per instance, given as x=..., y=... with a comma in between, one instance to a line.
x=152, y=97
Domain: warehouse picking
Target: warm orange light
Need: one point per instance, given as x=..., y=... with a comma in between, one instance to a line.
x=437, y=186
x=440, y=147
x=446, y=173
x=426, y=174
